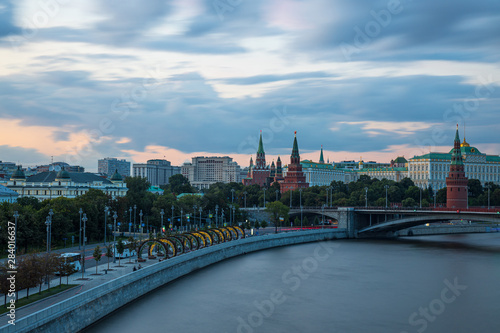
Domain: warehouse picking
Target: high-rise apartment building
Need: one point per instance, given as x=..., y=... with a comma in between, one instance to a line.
x=109, y=165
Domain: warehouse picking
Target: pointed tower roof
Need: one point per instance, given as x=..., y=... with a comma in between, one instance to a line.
x=261, y=146
x=456, y=156
x=295, y=149
x=321, y=159
x=279, y=159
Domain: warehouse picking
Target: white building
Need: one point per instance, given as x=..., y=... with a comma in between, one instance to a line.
x=432, y=168
x=205, y=171
x=156, y=171
x=7, y=195
x=51, y=184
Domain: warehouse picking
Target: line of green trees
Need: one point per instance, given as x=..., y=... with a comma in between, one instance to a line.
x=31, y=230
x=32, y=272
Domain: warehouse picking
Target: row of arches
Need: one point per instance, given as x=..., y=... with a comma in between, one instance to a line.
x=171, y=246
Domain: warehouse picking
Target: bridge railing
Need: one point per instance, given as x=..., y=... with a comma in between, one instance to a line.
x=492, y=209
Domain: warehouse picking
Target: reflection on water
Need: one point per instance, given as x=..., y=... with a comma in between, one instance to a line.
x=431, y=284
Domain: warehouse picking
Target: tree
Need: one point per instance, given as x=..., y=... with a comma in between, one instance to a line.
x=120, y=248
x=409, y=202
x=180, y=184
x=97, y=256
x=256, y=224
x=441, y=195
x=263, y=224
x=132, y=245
x=277, y=210
x=109, y=252
x=296, y=222
x=475, y=188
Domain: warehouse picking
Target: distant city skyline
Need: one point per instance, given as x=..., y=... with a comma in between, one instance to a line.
x=81, y=81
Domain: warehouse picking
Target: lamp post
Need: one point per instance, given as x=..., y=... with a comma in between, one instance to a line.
x=200, y=210
x=135, y=211
x=140, y=221
x=323, y=217
x=331, y=196
x=130, y=220
x=16, y=215
x=488, y=187
x=106, y=210
x=232, y=195
x=230, y=212
x=326, y=196
x=420, y=190
x=172, y=215
x=84, y=219
x=245, y=194
x=467, y=189
x=234, y=217
x=194, y=215
x=216, y=216
x=277, y=191
x=264, y=197
x=435, y=193
x=80, y=232
x=181, y=220
x=48, y=223
x=162, y=212
x=291, y=193
x=115, y=216
x=300, y=202
x=386, y=188
x=222, y=217
x=366, y=196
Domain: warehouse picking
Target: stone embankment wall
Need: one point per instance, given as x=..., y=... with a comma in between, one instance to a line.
x=82, y=310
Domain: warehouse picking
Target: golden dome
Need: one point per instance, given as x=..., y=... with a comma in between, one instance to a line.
x=464, y=144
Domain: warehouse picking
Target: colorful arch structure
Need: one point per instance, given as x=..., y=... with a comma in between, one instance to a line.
x=171, y=246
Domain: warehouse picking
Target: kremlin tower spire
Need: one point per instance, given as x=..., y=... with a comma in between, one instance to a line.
x=456, y=182
x=321, y=159
x=295, y=177
x=259, y=172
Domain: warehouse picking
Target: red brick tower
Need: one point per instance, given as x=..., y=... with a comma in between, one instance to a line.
x=294, y=178
x=456, y=182
x=260, y=171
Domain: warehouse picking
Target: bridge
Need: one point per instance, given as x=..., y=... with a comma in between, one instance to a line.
x=380, y=221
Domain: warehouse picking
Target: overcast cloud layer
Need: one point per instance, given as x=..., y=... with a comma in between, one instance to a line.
x=83, y=80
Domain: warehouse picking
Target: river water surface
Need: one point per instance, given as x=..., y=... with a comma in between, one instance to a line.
x=420, y=284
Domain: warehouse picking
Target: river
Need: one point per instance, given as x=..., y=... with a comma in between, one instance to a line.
x=420, y=284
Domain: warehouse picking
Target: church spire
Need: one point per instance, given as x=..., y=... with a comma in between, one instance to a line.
x=321, y=159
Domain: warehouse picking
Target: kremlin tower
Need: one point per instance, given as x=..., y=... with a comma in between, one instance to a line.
x=456, y=182
x=294, y=178
x=258, y=173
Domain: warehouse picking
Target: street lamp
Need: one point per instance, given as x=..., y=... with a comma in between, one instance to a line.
x=216, y=216
x=386, y=188
x=232, y=195
x=48, y=223
x=80, y=233
x=181, y=220
x=366, y=196
x=115, y=216
x=326, y=196
x=331, y=195
x=106, y=210
x=234, y=217
x=300, y=202
x=435, y=193
x=420, y=189
x=200, y=210
x=291, y=193
x=140, y=221
x=488, y=187
x=245, y=194
x=84, y=219
x=230, y=212
x=162, y=212
x=173, y=215
x=264, y=197
x=135, y=211
x=16, y=215
x=130, y=221
x=323, y=216
x=194, y=216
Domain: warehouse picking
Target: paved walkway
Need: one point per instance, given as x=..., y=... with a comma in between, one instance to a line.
x=91, y=281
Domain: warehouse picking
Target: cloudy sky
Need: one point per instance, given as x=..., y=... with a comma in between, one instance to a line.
x=84, y=79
